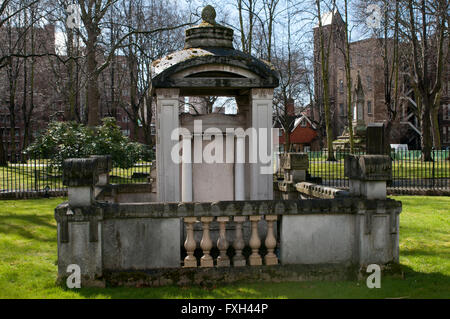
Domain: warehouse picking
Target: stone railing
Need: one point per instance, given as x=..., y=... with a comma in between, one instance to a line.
x=319, y=191
x=223, y=243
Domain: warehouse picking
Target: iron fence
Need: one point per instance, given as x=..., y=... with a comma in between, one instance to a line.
x=409, y=170
x=28, y=173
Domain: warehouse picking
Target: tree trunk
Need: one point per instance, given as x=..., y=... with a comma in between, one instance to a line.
x=3, y=161
x=426, y=142
x=349, y=81
x=92, y=83
x=287, y=141
x=435, y=128
x=326, y=99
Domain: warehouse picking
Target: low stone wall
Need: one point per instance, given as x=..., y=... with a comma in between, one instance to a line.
x=209, y=277
x=418, y=191
x=127, y=193
x=411, y=191
x=32, y=194
x=319, y=191
x=113, y=237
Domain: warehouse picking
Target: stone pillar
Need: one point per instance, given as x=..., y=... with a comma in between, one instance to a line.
x=168, y=172
x=80, y=175
x=261, y=186
x=239, y=172
x=186, y=170
x=103, y=168
x=368, y=175
x=294, y=167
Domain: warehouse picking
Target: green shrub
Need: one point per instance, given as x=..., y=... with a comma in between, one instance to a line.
x=64, y=140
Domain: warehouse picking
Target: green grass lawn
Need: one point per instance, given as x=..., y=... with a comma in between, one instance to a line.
x=28, y=260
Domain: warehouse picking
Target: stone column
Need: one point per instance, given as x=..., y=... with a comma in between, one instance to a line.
x=239, y=172
x=368, y=175
x=261, y=186
x=80, y=175
x=186, y=170
x=168, y=172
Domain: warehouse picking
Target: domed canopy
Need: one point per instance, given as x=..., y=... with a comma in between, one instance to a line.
x=209, y=65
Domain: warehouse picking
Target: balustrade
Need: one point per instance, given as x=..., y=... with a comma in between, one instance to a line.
x=223, y=260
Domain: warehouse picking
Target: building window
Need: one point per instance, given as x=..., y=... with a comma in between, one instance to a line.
x=303, y=123
x=446, y=131
x=341, y=86
x=341, y=109
x=369, y=82
x=126, y=132
x=446, y=112
x=369, y=107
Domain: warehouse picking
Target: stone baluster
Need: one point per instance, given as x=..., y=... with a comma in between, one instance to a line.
x=222, y=243
x=238, y=244
x=206, y=243
x=255, y=242
x=271, y=242
x=190, y=261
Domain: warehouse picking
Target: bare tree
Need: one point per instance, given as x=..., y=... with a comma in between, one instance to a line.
x=429, y=90
x=387, y=36
x=348, y=77
x=289, y=60
x=141, y=49
x=10, y=12
x=324, y=61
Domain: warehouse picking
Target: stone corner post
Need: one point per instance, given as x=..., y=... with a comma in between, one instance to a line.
x=80, y=175
x=295, y=168
x=368, y=175
x=104, y=166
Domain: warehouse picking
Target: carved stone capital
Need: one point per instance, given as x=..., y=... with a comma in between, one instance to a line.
x=167, y=93
x=262, y=94
x=104, y=163
x=80, y=172
x=294, y=161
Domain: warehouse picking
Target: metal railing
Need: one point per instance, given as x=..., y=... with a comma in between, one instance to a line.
x=28, y=173
x=409, y=170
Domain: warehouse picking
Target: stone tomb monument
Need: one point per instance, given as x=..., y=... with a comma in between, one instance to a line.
x=126, y=234
x=209, y=66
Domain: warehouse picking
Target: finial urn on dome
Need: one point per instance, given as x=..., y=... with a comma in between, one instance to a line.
x=209, y=33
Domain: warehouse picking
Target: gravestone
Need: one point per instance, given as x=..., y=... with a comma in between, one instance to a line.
x=375, y=139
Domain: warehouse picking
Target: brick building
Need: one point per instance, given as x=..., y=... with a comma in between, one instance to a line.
x=366, y=59
x=303, y=136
